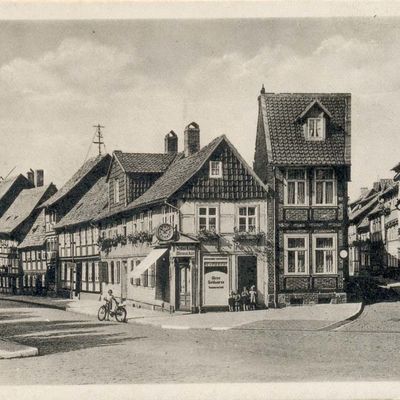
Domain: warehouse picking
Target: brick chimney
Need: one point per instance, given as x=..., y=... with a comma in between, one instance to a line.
x=191, y=139
x=31, y=176
x=171, y=143
x=39, y=177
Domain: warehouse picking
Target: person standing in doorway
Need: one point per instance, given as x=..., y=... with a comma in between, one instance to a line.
x=231, y=301
x=238, y=301
x=253, y=297
x=245, y=299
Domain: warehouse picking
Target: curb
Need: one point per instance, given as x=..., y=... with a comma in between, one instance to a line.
x=36, y=303
x=16, y=350
x=346, y=321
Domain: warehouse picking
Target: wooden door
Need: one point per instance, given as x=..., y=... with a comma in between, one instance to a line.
x=183, y=286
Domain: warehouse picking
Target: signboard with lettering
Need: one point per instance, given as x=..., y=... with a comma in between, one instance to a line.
x=185, y=251
x=215, y=281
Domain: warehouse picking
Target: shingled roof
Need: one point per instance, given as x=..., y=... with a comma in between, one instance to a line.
x=82, y=172
x=89, y=207
x=23, y=207
x=285, y=136
x=144, y=162
x=179, y=172
x=36, y=236
x=363, y=210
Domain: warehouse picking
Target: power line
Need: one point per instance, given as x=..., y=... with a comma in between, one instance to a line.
x=99, y=141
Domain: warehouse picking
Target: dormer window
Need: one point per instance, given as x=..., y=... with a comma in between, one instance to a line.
x=215, y=169
x=315, y=128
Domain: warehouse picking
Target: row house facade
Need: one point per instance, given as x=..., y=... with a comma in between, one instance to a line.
x=57, y=207
x=373, y=232
x=303, y=154
x=183, y=229
x=15, y=224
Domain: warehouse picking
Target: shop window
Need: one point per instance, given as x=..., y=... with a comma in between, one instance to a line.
x=296, y=254
x=296, y=187
x=145, y=278
x=112, y=271
x=118, y=271
x=324, y=187
x=324, y=248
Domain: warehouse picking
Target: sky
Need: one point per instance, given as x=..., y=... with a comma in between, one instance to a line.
x=143, y=78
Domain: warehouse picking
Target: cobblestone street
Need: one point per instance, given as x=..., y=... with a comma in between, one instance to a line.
x=75, y=349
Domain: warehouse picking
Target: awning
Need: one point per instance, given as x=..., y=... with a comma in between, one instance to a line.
x=151, y=258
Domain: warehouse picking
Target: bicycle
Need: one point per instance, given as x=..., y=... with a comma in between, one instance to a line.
x=119, y=313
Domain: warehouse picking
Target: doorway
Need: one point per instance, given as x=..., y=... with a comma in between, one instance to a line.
x=78, y=282
x=124, y=277
x=183, y=285
x=247, y=272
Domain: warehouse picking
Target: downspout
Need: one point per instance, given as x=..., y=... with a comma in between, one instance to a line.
x=274, y=236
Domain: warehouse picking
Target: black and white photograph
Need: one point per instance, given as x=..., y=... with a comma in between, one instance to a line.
x=204, y=196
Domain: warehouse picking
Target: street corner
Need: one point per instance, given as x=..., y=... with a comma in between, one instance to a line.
x=9, y=349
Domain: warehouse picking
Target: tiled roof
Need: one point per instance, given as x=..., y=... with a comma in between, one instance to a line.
x=37, y=234
x=364, y=209
x=144, y=162
x=179, y=172
x=22, y=207
x=87, y=167
x=89, y=207
x=6, y=185
x=286, y=136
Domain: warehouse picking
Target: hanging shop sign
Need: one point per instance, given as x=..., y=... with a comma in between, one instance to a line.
x=185, y=251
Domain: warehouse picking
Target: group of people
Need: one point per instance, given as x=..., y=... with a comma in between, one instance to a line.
x=244, y=301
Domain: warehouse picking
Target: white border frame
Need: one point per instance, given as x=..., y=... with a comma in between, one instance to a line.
x=335, y=252
x=314, y=194
x=306, y=189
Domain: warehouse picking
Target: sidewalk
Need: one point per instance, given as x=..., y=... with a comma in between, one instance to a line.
x=313, y=317
x=10, y=349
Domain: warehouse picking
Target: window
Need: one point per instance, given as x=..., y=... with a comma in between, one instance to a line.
x=247, y=219
x=116, y=191
x=296, y=254
x=315, y=128
x=112, y=272
x=141, y=222
x=325, y=187
x=150, y=220
x=215, y=169
x=145, y=278
x=324, y=246
x=207, y=219
x=152, y=276
x=118, y=271
x=296, y=187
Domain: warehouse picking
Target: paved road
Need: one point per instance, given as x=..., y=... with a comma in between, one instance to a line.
x=75, y=349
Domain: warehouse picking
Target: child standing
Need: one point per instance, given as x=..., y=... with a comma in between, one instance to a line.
x=231, y=301
x=253, y=297
x=238, y=302
x=245, y=299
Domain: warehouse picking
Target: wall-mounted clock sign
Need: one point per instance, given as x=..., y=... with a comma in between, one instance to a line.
x=165, y=232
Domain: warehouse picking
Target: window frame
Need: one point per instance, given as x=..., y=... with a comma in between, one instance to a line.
x=207, y=216
x=334, y=249
x=116, y=191
x=220, y=174
x=334, y=188
x=256, y=217
x=306, y=249
x=296, y=181
x=323, y=129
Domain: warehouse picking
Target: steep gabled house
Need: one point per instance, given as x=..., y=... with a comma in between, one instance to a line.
x=65, y=199
x=10, y=188
x=195, y=234
x=303, y=153
x=78, y=254
x=15, y=224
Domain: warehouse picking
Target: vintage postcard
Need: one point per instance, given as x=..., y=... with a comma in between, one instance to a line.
x=199, y=200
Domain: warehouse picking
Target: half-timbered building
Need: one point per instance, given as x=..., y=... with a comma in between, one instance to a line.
x=303, y=153
x=186, y=228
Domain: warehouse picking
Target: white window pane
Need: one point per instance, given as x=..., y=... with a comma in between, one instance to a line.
x=291, y=193
x=291, y=261
x=329, y=192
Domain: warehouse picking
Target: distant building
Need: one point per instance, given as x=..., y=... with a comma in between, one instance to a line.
x=303, y=154
x=15, y=224
x=10, y=188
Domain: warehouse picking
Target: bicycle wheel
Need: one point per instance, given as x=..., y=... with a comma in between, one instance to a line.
x=101, y=315
x=120, y=314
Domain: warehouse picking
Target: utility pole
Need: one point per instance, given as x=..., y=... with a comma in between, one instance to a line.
x=99, y=136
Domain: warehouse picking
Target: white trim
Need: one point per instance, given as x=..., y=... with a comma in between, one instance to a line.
x=256, y=216
x=314, y=194
x=335, y=253
x=217, y=216
x=219, y=169
x=286, y=236
x=323, y=129
x=286, y=188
